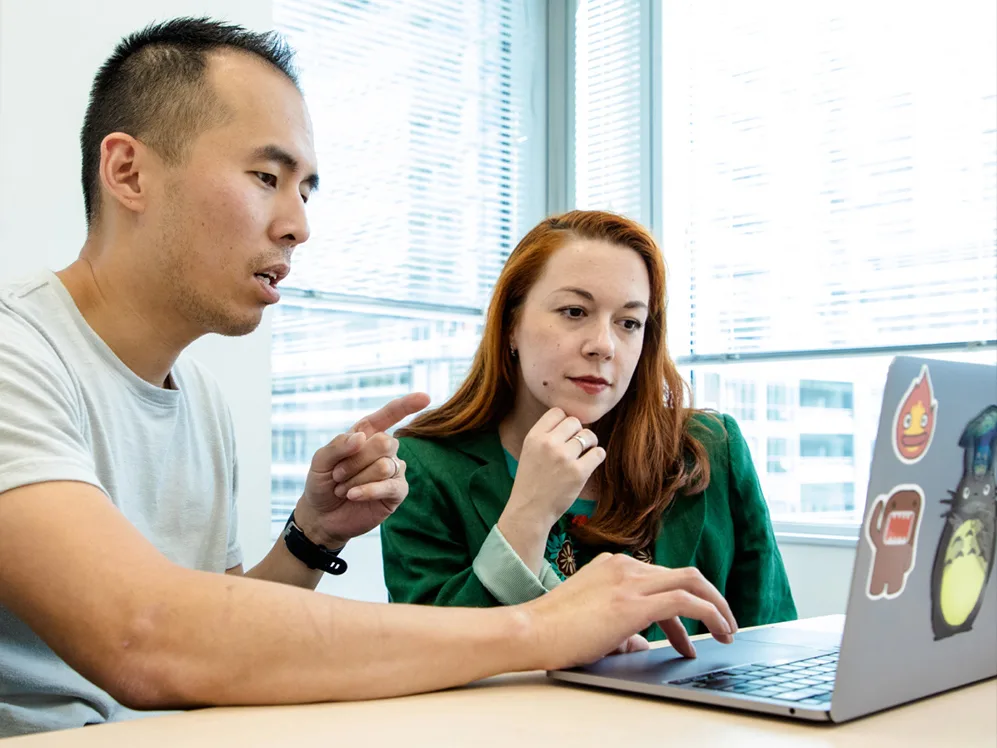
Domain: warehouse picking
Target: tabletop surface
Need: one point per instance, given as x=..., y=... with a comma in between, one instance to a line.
x=528, y=709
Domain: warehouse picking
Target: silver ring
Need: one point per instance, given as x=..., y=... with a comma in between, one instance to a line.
x=398, y=467
x=581, y=441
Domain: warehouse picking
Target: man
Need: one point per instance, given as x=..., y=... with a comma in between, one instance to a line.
x=117, y=456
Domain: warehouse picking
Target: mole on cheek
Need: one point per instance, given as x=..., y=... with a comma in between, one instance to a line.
x=544, y=383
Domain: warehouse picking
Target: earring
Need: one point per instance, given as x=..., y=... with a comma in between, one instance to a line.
x=513, y=351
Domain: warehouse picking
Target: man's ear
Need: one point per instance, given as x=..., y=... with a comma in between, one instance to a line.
x=125, y=166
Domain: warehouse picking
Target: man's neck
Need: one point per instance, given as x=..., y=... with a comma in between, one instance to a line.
x=141, y=330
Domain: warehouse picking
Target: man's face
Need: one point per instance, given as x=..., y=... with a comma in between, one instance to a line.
x=233, y=211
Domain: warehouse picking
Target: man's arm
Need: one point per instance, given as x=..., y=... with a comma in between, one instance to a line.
x=155, y=635
x=354, y=483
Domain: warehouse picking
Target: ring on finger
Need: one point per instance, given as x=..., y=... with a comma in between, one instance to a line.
x=398, y=467
x=578, y=438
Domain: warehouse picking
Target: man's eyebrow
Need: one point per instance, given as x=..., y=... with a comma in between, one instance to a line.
x=282, y=157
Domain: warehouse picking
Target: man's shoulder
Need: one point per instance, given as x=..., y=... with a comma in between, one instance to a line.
x=27, y=322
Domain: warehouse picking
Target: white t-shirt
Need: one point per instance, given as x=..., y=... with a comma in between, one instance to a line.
x=71, y=410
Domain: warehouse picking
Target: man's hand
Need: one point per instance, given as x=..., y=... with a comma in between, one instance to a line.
x=356, y=481
x=598, y=608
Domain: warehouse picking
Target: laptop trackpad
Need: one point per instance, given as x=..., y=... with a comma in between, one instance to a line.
x=787, y=634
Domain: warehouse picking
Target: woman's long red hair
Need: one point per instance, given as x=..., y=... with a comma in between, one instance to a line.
x=651, y=454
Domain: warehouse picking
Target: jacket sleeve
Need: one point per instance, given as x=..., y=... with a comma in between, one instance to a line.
x=757, y=589
x=427, y=559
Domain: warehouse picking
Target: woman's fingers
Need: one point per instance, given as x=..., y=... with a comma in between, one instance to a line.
x=678, y=637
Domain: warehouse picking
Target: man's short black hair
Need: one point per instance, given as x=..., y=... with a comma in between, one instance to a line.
x=153, y=88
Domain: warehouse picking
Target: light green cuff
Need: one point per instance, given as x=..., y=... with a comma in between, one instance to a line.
x=502, y=572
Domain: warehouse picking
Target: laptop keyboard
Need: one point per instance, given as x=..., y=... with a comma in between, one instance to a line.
x=808, y=682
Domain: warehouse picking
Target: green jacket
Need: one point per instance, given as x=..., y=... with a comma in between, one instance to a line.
x=459, y=486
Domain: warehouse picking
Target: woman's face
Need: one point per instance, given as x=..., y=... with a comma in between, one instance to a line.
x=581, y=330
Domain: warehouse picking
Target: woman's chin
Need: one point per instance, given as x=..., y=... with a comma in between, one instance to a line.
x=586, y=413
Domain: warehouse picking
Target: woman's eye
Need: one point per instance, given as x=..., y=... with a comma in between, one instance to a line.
x=573, y=312
x=632, y=325
x=267, y=179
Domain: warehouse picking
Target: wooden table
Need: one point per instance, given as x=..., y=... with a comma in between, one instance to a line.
x=525, y=710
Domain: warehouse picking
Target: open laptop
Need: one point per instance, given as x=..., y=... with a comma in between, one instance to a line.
x=921, y=612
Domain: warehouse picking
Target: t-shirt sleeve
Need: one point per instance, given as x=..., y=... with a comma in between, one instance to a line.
x=41, y=420
x=233, y=552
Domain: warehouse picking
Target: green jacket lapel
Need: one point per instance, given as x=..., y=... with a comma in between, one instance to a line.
x=490, y=485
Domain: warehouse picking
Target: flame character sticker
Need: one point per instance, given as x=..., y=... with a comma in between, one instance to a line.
x=892, y=533
x=914, y=422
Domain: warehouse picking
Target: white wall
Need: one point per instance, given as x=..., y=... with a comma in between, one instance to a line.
x=49, y=52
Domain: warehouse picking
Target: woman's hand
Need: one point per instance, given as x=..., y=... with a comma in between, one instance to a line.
x=557, y=458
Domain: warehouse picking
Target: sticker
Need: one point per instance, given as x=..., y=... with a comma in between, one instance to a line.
x=892, y=534
x=914, y=422
x=965, y=554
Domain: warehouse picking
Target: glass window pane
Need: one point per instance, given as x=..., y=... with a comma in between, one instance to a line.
x=815, y=467
x=426, y=135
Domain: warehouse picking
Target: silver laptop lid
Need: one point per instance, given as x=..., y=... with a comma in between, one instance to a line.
x=921, y=611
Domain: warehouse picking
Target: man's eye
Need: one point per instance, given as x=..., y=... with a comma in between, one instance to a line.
x=268, y=179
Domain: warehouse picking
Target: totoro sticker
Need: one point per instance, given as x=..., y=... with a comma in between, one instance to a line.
x=892, y=532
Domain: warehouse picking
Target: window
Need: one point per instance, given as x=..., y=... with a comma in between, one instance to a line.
x=711, y=388
x=826, y=395
x=837, y=446
x=608, y=89
x=824, y=188
x=432, y=155
x=740, y=400
x=778, y=455
x=778, y=403
x=827, y=497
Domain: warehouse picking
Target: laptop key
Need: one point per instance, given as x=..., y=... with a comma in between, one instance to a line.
x=797, y=695
x=816, y=701
x=767, y=691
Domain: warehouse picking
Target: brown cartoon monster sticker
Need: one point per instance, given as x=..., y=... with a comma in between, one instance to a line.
x=914, y=422
x=892, y=534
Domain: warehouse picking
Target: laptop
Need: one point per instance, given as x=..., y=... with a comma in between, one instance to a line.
x=921, y=613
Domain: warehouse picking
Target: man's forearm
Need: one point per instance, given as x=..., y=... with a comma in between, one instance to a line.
x=280, y=566
x=156, y=635
x=241, y=641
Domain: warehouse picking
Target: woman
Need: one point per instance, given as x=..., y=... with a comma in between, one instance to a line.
x=569, y=437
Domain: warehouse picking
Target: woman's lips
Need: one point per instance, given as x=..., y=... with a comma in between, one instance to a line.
x=590, y=386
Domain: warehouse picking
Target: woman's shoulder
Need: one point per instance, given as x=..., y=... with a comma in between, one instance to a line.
x=718, y=433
